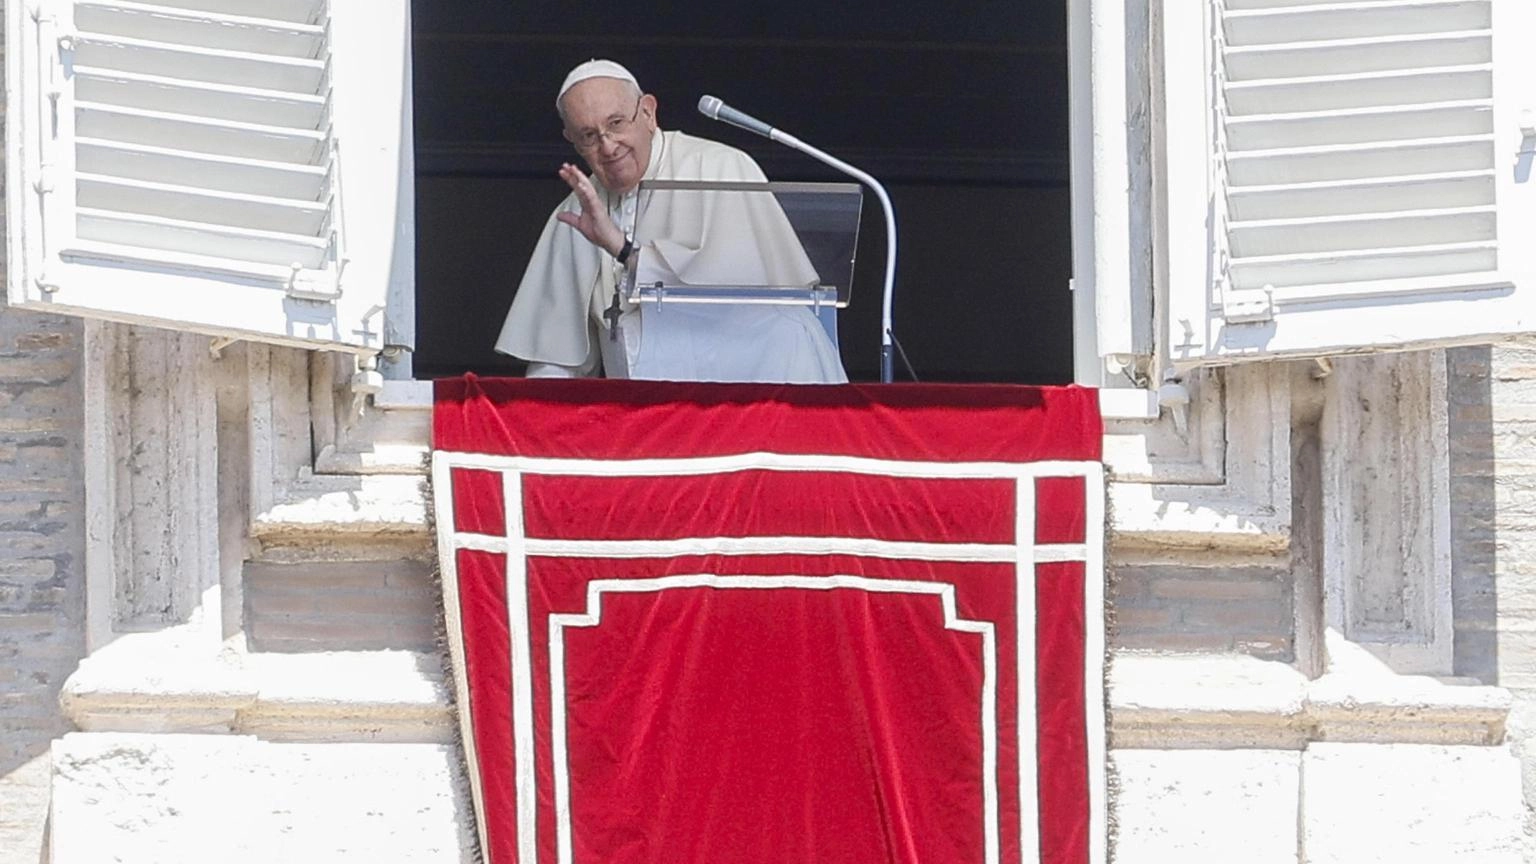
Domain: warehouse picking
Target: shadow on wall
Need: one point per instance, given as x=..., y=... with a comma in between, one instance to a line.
x=1474, y=513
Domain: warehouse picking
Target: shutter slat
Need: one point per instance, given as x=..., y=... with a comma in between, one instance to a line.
x=1363, y=161
x=201, y=29
x=214, y=241
x=1361, y=90
x=237, y=68
x=1372, y=195
x=296, y=11
x=1348, y=56
x=219, y=137
x=155, y=93
x=185, y=168
x=191, y=204
x=1361, y=231
x=1353, y=20
x=1332, y=270
x=1361, y=126
x=1280, y=4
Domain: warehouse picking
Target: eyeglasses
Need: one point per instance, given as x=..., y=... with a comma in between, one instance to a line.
x=588, y=140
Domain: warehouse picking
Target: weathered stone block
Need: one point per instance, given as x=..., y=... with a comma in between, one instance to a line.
x=164, y=799
x=342, y=605
x=1189, y=607
x=42, y=341
x=1206, y=806
x=1399, y=803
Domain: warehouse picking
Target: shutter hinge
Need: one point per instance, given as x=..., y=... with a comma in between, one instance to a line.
x=366, y=381
x=304, y=284
x=1135, y=368
x=1173, y=397
x=46, y=179
x=1248, y=306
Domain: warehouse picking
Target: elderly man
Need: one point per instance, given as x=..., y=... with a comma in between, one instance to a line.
x=569, y=320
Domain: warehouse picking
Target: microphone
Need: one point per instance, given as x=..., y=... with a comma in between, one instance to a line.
x=714, y=109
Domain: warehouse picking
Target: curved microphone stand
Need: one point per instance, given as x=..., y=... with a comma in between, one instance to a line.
x=715, y=109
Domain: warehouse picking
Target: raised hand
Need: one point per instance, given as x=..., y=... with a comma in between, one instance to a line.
x=593, y=221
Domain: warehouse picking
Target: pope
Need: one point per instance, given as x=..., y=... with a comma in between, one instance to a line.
x=568, y=319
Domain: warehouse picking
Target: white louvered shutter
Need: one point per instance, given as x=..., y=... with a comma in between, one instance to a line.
x=181, y=166
x=1347, y=176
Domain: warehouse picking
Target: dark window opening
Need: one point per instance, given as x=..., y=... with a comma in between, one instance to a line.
x=961, y=110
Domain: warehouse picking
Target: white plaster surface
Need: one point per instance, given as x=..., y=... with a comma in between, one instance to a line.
x=1408, y=803
x=165, y=799
x=1206, y=806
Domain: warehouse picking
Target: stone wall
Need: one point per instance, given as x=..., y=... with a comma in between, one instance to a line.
x=42, y=560
x=1493, y=477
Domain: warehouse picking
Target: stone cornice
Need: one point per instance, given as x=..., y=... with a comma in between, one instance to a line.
x=149, y=683
x=1229, y=701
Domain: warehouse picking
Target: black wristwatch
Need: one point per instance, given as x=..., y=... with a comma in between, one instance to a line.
x=623, y=255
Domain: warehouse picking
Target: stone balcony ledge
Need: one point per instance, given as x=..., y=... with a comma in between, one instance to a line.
x=1227, y=701
x=1162, y=702
x=155, y=684
x=347, y=505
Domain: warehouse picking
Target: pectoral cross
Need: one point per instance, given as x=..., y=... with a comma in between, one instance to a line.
x=611, y=315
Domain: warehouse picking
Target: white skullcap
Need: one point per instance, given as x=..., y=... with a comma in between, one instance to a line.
x=594, y=69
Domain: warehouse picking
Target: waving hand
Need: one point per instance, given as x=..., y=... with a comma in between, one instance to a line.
x=593, y=221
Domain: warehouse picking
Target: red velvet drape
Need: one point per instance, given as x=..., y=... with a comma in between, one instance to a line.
x=717, y=675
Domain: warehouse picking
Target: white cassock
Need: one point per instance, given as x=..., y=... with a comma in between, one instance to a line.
x=557, y=324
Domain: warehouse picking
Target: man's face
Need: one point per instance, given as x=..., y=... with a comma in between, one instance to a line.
x=612, y=130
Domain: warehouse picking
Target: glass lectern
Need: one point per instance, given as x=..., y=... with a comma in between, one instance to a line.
x=743, y=242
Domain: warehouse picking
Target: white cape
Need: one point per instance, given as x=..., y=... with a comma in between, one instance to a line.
x=556, y=317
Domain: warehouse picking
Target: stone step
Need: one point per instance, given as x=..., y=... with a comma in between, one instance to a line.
x=170, y=681
x=342, y=506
